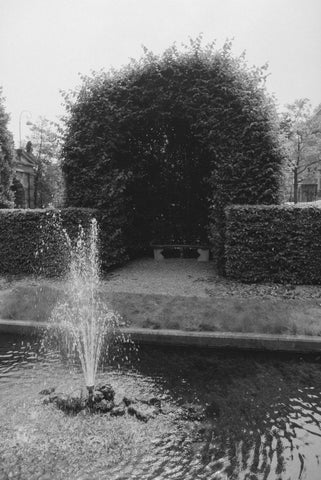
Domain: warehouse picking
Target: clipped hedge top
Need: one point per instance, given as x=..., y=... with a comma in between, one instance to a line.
x=278, y=243
x=271, y=207
x=33, y=241
x=35, y=212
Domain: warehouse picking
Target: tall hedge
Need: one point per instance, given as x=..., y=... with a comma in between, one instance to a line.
x=168, y=141
x=273, y=243
x=33, y=242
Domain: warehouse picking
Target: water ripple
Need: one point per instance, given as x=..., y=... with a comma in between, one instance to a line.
x=262, y=416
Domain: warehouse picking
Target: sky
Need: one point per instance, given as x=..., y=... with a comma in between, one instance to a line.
x=46, y=44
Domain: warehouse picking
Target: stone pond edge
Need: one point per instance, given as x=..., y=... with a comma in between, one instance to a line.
x=232, y=340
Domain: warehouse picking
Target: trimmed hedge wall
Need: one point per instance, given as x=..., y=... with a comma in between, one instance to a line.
x=32, y=241
x=273, y=243
x=167, y=142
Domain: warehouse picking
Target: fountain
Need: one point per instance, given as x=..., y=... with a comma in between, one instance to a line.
x=83, y=317
x=87, y=326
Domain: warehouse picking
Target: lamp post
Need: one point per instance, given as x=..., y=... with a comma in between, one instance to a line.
x=27, y=123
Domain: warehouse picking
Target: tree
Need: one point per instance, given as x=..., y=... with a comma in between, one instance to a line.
x=168, y=141
x=45, y=144
x=301, y=128
x=6, y=158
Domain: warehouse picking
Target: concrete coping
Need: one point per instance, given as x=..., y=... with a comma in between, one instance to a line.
x=231, y=340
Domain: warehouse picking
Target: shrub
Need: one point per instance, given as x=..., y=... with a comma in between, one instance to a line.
x=32, y=241
x=273, y=243
x=168, y=141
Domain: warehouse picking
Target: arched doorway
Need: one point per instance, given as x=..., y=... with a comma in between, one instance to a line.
x=168, y=190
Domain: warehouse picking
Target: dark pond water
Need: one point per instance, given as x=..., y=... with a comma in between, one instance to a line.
x=261, y=415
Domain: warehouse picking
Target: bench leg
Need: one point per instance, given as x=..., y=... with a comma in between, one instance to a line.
x=158, y=254
x=204, y=255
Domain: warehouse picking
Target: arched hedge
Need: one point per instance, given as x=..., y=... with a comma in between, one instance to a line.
x=167, y=142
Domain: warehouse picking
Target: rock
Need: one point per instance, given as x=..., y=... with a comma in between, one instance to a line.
x=69, y=403
x=79, y=393
x=97, y=397
x=76, y=404
x=53, y=396
x=107, y=390
x=142, y=412
x=118, y=411
x=104, y=406
x=61, y=400
x=135, y=412
x=47, y=391
x=129, y=400
x=102, y=400
x=78, y=399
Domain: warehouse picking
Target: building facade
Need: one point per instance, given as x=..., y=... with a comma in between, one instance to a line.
x=310, y=187
x=24, y=179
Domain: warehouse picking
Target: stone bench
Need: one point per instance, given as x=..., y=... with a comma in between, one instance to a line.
x=202, y=250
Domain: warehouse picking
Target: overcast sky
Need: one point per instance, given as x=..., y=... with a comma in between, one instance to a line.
x=45, y=44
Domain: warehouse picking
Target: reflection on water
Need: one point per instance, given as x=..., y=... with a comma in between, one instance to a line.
x=261, y=413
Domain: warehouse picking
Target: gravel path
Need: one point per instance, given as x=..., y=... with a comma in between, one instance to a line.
x=187, y=277
x=177, y=277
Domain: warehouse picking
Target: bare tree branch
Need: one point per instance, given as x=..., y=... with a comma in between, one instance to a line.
x=308, y=165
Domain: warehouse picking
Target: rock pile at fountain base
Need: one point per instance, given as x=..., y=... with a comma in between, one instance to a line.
x=102, y=401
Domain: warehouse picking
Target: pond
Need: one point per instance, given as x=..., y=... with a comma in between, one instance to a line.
x=226, y=415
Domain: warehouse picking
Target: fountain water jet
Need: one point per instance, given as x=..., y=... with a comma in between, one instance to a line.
x=83, y=318
x=89, y=327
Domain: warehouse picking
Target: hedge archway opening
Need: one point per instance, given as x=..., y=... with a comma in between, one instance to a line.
x=168, y=189
x=167, y=142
